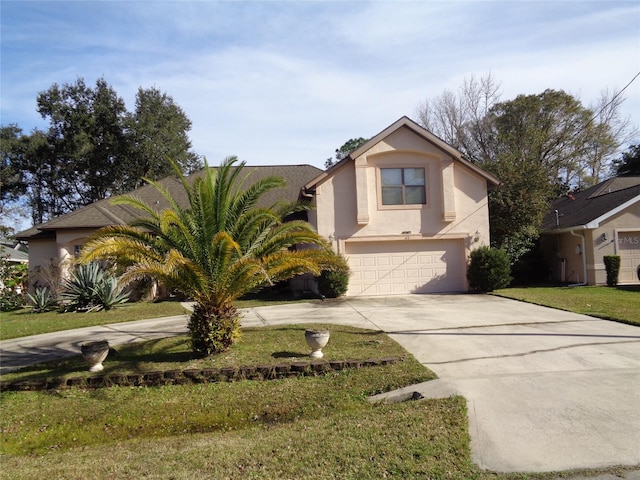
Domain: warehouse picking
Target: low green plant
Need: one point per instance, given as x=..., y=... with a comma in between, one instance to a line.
x=10, y=300
x=612, y=265
x=334, y=283
x=42, y=300
x=13, y=281
x=90, y=288
x=489, y=269
x=108, y=294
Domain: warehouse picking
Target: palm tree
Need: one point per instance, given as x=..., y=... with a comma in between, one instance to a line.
x=219, y=248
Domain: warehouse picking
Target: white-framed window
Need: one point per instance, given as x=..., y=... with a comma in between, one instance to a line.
x=403, y=186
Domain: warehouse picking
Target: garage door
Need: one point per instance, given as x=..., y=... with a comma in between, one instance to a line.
x=629, y=251
x=384, y=268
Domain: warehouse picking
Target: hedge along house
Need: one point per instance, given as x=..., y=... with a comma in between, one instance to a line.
x=581, y=228
x=59, y=241
x=406, y=210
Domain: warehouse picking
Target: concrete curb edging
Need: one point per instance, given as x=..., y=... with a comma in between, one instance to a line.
x=437, y=388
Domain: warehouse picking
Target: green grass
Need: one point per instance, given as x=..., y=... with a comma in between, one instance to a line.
x=304, y=428
x=620, y=304
x=358, y=441
x=22, y=323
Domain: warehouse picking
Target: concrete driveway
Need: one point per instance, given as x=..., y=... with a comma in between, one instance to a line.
x=547, y=390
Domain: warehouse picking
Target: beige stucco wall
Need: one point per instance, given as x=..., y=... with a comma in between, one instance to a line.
x=565, y=257
x=59, y=249
x=625, y=221
x=67, y=240
x=41, y=253
x=599, y=242
x=463, y=193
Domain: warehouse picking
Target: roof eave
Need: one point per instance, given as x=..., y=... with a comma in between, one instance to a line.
x=565, y=229
x=595, y=223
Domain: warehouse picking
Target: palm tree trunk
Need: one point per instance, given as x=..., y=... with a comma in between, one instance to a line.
x=213, y=329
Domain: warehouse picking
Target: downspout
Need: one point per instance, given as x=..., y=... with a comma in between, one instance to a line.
x=584, y=259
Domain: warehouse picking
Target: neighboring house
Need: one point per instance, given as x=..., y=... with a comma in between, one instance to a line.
x=13, y=253
x=405, y=208
x=581, y=228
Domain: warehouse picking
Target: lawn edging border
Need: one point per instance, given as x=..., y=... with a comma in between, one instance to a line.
x=158, y=378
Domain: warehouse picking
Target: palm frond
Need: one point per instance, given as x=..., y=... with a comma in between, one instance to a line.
x=219, y=247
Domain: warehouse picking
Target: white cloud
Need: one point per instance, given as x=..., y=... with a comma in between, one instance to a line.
x=288, y=82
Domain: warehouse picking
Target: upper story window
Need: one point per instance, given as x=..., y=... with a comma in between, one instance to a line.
x=403, y=186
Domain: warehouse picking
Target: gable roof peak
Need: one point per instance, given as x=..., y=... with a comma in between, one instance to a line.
x=614, y=184
x=405, y=122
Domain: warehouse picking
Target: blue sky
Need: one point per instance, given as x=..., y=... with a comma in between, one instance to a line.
x=289, y=82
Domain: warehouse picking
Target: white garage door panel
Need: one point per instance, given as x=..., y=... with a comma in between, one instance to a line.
x=383, y=268
x=629, y=251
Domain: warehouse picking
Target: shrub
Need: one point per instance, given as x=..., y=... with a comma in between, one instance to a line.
x=91, y=288
x=489, y=269
x=531, y=268
x=612, y=264
x=10, y=300
x=334, y=282
x=13, y=280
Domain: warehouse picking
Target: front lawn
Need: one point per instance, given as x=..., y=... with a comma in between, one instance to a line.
x=311, y=427
x=621, y=304
x=22, y=323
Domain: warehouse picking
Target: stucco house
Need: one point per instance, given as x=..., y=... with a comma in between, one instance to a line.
x=582, y=227
x=405, y=209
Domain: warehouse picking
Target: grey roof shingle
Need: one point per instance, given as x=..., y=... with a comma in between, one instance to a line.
x=13, y=255
x=104, y=212
x=580, y=208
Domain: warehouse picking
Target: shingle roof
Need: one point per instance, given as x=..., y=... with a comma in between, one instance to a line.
x=13, y=255
x=104, y=212
x=581, y=208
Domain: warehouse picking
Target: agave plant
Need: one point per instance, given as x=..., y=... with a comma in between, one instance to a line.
x=42, y=300
x=107, y=294
x=90, y=288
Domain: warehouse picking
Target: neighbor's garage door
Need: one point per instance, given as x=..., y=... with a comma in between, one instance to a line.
x=629, y=251
x=421, y=266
